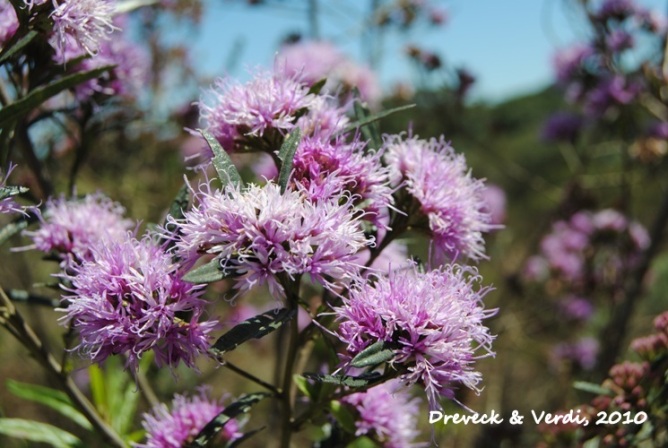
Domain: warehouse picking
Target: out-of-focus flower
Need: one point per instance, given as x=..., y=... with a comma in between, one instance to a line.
x=178, y=426
x=88, y=21
x=449, y=196
x=316, y=60
x=562, y=126
x=610, y=92
x=128, y=76
x=259, y=232
x=387, y=414
x=269, y=101
x=432, y=320
x=71, y=227
x=583, y=352
x=129, y=298
x=576, y=308
x=9, y=23
x=495, y=203
x=569, y=62
x=616, y=9
x=619, y=40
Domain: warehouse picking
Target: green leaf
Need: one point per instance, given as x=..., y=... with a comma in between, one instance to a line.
x=9, y=52
x=180, y=202
x=123, y=7
x=372, y=131
x=363, y=442
x=98, y=389
x=37, y=432
x=253, y=328
x=343, y=416
x=592, y=388
x=207, y=273
x=10, y=190
x=377, y=353
x=245, y=436
x=54, y=399
x=227, y=172
x=20, y=107
x=12, y=229
x=287, y=155
x=241, y=406
x=363, y=380
x=303, y=385
x=317, y=87
x=370, y=119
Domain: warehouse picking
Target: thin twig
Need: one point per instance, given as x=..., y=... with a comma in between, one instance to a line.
x=239, y=371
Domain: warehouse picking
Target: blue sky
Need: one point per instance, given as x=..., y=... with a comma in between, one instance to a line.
x=507, y=44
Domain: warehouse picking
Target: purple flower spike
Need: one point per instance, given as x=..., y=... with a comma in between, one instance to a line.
x=434, y=320
x=387, y=414
x=188, y=416
x=88, y=21
x=270, y=101
x=71, y=227
x=259, y=232
x=449, y=196
x=130, y=299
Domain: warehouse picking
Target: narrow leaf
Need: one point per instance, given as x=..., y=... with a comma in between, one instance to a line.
x=375, y=117
x=11, y=190
x=372, y=131
x=253, y=328
x=343, y=416
x=227, y=172
x=317, y=87
x=12, y=229
x=245, y=436
x=241, y=406
x=346, y=380
x=24, y=105
x=18, y=46
x=54, y=399
x=180, y=202
x=287, y=155
x=20, y=295
x=377, y=353
x=37, y=432
x=207, y=273
x=592, y=388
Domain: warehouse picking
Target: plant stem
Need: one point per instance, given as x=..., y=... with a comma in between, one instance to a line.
x=24, y=333
x=239, y=371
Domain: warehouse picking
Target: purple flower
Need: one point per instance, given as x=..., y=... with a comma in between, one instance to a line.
x=448, y=195
x=433, y=320
x=619, y=40
x=8, y=204
x=569, y=62
x=177, y=427
x=314, y=61
x=128, y=77
x=71, y=227
x=659, y=130
x=610, y=92
x=610, y=220
x=576, y=308
x=88, y=21
x=270, y=101
x=583, y=352
x=495, y=203
x=259, y=232
x=323, y=118
x=129, y=298
x=9, y=23
x=326, y=168
x=562, y=126
x=387, y=414
x=616, y=9
x=536, y=269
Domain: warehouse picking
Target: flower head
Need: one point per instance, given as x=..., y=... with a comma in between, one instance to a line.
x=71, y=227
x=268, y=102
x=88, y=21
x=433, y=320
x=562, y=126
x=129, y=298
x=260, y=232
x=177, y=427
x=387, y=414
x=451, y=199
x=325, y=168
